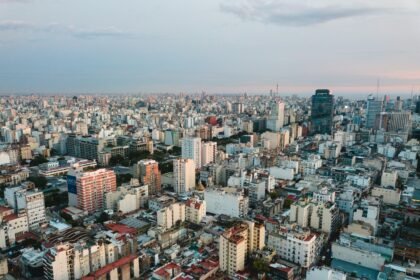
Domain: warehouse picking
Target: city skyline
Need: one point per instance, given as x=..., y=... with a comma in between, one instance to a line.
x=242, y=46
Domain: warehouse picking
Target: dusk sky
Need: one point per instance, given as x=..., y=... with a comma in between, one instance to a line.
x=230, y=46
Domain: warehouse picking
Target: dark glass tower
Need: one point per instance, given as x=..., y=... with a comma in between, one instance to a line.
x=322, y=112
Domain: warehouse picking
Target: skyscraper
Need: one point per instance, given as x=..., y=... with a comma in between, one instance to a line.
x=191, y=148
x=147, y=171
x=374, y=108
x=184, y=175
x=276, y=119
x=322, y=112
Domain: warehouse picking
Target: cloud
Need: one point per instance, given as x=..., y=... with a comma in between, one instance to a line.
x=13, y=1
x=57, y=28
x=309, y=12
x=102, y=32
x=14, y=25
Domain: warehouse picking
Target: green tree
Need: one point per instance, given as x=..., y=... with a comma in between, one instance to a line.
x=39, y=181
x=274, y=195
x=123, y=178
x=39, y=159
x=116, y=160
x=260, y=266
x=103, y=218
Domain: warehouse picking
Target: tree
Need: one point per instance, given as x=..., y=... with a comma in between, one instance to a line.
x=287, y=203
x=116, y=160
x=273, y=195
x=39, y=181
x=123, y=178
x=2, y=187
x=55, y=198
x=260, y=266
x=39, y=159
x=103, y=218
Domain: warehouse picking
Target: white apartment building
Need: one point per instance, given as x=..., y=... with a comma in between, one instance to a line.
x=191, y=149
x=127, y=198
x=169, y=216
x=346, y=139
x=389, y=179
x=195, y=210
x=323, y=195
x=358, y=256
x=57, y=263
x=319, y=216
x=368, y=214
x=228, y=201
x=301, y=248
x=30, y=200
x=300, y=212
x=33, y=203
x=208, y=152
x=276, y=119
x=325, y=217
x=184, y=175
x=389, y=195
x=256, y=190
x=309, y=166
x=74, y=261
x=11, y=226
x=359, y=180
x=325, y=273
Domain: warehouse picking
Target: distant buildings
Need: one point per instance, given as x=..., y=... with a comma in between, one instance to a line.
x=374, y=108
x=275, y=120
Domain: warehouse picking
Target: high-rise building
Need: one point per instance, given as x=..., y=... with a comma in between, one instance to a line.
x=86, y=189
x=276, y=119
x=322, y=112
x=191, y=148
x=237, y=242
x=33, y=202
x=84, y=147
x=208, y=152
x=395, y=121
x=237, y=108
x=374, y=108
x=184, y=175
x=28, y=201
x=147, y=171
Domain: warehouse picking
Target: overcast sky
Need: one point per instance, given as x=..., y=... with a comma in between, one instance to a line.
x=217, y=46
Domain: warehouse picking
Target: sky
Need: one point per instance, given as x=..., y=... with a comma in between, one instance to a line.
x=216, y=46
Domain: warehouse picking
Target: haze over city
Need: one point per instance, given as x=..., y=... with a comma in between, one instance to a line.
x=49, y=46
x=210, y=140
